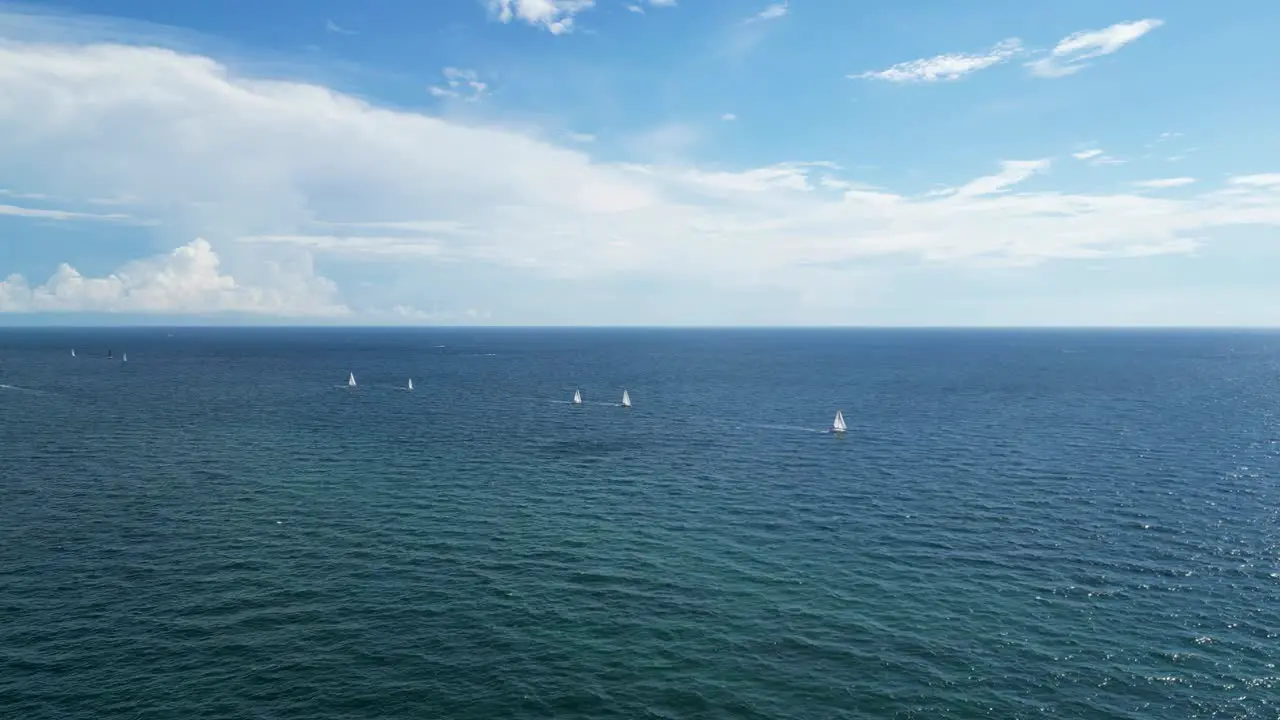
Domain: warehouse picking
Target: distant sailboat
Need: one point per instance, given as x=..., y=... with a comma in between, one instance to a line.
x=837, y=425
x=626, y=399
x=577, y=397
x=124, y=357
x=410, y=388
x=351, y=379
x=73, y=352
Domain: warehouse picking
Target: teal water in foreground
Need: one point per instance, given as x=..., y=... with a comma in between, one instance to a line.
x=1017, y=525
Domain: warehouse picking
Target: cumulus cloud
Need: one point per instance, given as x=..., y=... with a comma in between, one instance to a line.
x=1071, y=53
x=554, y=16
x=187, y=280
x=262, y=166
x=951, y=66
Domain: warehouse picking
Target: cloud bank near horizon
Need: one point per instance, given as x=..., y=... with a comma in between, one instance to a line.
x=282, y=174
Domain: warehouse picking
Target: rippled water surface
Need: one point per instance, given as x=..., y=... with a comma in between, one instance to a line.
x=1017, y=525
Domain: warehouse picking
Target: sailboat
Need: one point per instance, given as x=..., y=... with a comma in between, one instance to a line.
x=351, y=380
x=837, y=425
x=626, y=399
x=410, y=388
x=124, y=357
x=577, y=397
x=73, y=352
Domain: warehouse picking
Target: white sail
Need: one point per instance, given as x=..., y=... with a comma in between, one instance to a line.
x=73, y=352
x=410, y=384
x=124, y=357
x=838, y=424
x=626, y=399
x=577, y=397
x=351, y=380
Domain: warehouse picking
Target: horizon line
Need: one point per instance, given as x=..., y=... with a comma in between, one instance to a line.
x=315, y=326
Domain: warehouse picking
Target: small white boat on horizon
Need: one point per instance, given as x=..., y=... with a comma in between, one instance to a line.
x=837, y=425
x=626, y=399
x=577, y=397
x=351, y=380
x=410, y=387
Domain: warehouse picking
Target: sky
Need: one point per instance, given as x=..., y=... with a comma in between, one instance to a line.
x=640, y=162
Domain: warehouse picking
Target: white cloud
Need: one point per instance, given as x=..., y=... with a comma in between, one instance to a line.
x=333, y=27
x=1160, y=183
x=407, y=314
x=1011, y=173
x=772, y=12
x=1071, y=53
x=952, y=66
x=662, y=3
x=555, y=16
x=188, y=280
x=460, y=84
x=23, y=196
x=1094, y=156
x=1264, y=180
x=357, y=246
x=727, y=117
x=636, y=9
x=46, y=214
x=263, y=167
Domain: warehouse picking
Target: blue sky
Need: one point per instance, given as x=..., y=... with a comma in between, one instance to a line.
x=697, y=162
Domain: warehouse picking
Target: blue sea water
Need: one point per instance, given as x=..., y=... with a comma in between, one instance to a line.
x=1017, y=525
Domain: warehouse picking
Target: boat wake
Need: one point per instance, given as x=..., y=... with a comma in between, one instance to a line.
x=793, y=428
x=15, y=388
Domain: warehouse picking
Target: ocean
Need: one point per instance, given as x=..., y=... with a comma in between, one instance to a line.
x=1018, y=524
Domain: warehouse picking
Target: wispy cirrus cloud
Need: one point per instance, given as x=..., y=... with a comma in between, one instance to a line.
x=460, y=84
x=745, y=34
x=639, y=9
x=1261, y=180
x=1095, y=156
x=1162, y=183
x=333, y=27
x=48, y=214
x=946, y=67
x=1071, y=53
x=22, y=195
x=771, y=12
